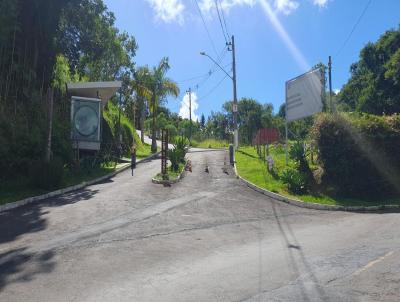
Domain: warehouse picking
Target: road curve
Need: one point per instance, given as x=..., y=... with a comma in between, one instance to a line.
x=207, y=238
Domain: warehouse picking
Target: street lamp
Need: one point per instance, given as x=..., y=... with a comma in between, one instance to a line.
x=233, y=78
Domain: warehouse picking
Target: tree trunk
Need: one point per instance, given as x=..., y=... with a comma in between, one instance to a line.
x=153, y=134
x=142, y=123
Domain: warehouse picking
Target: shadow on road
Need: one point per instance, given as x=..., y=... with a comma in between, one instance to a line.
x=30, y=218
x=14, y=265
x=294, y=251
x=19, y=265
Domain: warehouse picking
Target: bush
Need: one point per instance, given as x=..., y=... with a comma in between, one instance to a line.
x=296, y=181
x=177, y=154
x=299, y=156
x=174, y=156
x=46, y=175
x=359, y=153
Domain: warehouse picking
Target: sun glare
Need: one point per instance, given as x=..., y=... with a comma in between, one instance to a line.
x=296, y=53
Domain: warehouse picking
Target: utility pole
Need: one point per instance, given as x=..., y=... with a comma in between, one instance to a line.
x=233, y=78
x=235, y=106
x=330, y=83
x=190, y=114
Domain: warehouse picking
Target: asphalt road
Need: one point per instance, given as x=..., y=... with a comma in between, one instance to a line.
x=207, y=238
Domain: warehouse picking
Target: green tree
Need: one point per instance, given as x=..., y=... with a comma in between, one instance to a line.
x=161, y=87
x=373, y=86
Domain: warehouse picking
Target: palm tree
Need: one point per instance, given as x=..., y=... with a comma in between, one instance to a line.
x=161, y=87
x=141, y=84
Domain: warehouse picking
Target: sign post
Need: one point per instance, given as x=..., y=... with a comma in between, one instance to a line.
x=164, y=152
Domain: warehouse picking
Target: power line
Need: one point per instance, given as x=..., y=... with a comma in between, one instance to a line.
x=193, y=78
x=220, y=21
x=212, y=89
x=354, y=27
x=213, y=68
x=223, y=18
x=205, y=26
x=210, y=74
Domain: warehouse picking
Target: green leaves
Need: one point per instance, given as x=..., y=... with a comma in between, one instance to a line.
x=374, y=86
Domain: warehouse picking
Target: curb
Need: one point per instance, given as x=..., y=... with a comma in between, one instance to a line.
x=310, y=205
x=28, y=200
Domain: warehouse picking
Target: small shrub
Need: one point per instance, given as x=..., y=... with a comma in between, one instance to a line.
x=174, y=157
x=296, y=181
x=46, y=175
x=181, y=146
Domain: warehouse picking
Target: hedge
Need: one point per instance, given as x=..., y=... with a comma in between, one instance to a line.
x=360, y=153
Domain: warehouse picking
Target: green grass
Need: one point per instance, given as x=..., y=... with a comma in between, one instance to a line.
x=210, y=143
x=17, y=189
x=144, y=151
x=253, y=169
x=172, y=175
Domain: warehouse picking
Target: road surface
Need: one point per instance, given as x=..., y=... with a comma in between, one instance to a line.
x=207, y=238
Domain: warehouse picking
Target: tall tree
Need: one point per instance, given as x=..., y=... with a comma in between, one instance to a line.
x=202, y=121
x=373, y=86
x=161, y=87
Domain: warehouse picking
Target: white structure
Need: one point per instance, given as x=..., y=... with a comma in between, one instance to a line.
x=87, y=101
x=304, y=95
x=303, y=98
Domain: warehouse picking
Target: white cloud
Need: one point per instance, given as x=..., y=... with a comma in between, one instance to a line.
x=184, y=110
x=320, y=3
x=209, y=5
x=168, y=10
x=286, y=6
x=281, y=6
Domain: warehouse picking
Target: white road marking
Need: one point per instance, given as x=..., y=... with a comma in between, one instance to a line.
x=372, y=263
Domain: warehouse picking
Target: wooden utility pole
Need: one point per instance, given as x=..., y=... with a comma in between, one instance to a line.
x=235, y=126
x=330, y=83
x=190, y=114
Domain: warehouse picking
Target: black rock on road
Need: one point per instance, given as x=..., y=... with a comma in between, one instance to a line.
x=206, y=238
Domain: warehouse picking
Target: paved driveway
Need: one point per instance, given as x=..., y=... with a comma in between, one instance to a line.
x=207, y=238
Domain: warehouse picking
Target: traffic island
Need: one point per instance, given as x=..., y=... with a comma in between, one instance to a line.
x=172, y=176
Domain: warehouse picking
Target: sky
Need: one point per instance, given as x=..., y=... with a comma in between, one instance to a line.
x=275, y=40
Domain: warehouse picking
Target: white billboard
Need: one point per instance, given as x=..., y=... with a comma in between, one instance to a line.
x=304, y=95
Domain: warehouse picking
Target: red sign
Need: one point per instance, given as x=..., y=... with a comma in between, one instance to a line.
x=266, y=136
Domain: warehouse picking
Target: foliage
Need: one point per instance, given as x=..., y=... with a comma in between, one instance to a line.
x=374, y=85
x=359, y=153
x=295, y=180
x=210, y=143
x=177, y=154
x=254, y=170
x=128, y=132
x=298, y=154
x=46, y=175
x=174, y=155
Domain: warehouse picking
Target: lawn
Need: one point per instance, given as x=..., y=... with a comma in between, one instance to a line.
x=144, y=151
x=253, y=169
x=172, y=175
x=210, y=143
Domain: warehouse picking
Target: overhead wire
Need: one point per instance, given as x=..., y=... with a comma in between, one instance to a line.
x=220, y=22
x=206, y=28
x=212, y=89
x=223, y=18
x=213, y=68
x=354, y=28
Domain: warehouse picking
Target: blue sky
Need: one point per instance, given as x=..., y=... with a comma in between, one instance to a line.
x=276, y=40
